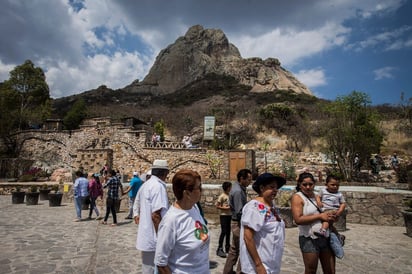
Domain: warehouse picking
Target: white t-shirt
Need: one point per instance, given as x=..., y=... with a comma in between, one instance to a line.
x=331, y=200
x=183, y=242
x=152, y=197
x=269, y=237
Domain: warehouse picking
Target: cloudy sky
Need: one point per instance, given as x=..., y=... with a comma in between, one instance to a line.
x=332, y=46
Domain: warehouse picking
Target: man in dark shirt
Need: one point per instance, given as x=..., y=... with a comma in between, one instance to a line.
x=237, y=199
x=113, y=184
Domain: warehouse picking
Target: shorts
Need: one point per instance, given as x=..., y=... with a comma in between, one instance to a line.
x=330, y=210
x=310, y=245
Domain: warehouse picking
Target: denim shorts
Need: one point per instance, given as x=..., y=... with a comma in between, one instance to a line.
x=309, y=245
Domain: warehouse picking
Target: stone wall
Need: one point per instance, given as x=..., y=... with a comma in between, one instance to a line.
x=99, y=142
x=363, y=207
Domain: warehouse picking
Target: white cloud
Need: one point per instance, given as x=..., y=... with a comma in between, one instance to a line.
x=114, y=71
x=312, y=78
x=388, y=40
x=291, y=45
x=384, y=73
x=79, y=47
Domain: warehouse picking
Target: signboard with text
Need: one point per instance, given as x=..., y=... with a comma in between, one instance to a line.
x=209, y=128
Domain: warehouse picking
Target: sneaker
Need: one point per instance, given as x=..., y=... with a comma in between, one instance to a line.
x=221, y=253
x=77, y=220
x=320, y=233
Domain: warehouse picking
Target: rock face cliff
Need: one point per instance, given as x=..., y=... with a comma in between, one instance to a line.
x=206, y=51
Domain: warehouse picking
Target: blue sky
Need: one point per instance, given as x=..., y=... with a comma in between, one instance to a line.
x=334, y=47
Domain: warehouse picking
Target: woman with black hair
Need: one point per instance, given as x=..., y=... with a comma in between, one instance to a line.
x=309, y=219
x=262, y=232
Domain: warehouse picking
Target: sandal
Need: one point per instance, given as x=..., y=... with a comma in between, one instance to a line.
x=104, y=223
x=113, y=225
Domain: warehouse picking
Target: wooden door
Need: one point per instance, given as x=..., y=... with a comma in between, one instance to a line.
x=237, y=161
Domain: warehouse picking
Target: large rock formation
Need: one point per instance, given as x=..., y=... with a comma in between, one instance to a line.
x=204, y=51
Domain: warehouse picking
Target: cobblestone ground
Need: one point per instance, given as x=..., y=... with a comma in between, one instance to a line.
x=43, y=239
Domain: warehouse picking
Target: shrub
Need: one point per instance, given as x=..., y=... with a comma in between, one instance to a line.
x=55, y=188
x=33, y=189
x=408, y=204
x=283, y=198
x=402, y=172
x=26, y=178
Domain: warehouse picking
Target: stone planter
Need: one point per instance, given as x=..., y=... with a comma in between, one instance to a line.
x=44, y=194
x=55, y=199
x=286, y=215
x=407, y=216
x=32, y=198
x=17, y=197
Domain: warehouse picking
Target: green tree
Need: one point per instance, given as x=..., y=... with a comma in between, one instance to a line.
x=159, y=128
x=9, y=118
x=29, y=83
x=75, y=115
x=287, y=120
x=405, y=115
x=352, y=127
x=24, y=101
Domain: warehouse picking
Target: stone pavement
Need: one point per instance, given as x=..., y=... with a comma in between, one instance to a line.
x=43, y=239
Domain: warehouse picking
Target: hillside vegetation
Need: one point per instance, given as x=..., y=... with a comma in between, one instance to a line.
x=280, y=119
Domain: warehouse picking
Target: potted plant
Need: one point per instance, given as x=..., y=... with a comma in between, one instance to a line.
x=17, y=196
x=44, y=192
x=407, y=215
x=55, y=196
x=32, y=197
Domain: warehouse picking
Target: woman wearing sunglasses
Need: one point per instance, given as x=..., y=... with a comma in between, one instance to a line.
x=309, y=219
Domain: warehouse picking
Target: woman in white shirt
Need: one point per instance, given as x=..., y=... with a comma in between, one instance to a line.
x=262, y=232
x=183, y=238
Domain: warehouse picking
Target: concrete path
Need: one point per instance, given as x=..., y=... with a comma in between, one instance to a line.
x=43, y=239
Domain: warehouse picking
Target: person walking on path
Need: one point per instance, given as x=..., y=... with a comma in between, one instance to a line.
x=237, y=199
x=151, y=205
x=395, y=162
x=183, y=239
x=113, y=184
x=80, y=189
x=95, y=191
x=132, y=189
x=222, y=204
x=262, y=232
x=309, y=219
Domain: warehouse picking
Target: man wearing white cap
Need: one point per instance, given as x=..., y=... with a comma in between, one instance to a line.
x=152, y=203
x=132, y=189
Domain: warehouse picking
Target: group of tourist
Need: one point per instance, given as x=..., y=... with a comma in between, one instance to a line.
x=90, y=190
x=174, y=238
